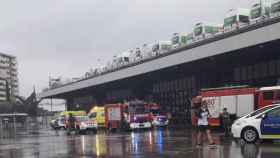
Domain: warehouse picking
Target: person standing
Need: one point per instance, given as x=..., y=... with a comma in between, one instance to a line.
x=225, y=120
x=71, y=123
x=203, y=125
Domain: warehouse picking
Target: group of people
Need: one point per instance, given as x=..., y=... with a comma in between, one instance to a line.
x=202, y=114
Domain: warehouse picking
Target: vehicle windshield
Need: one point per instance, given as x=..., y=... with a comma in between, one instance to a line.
x=230, y=20
x=137, y=109
x=165, y=46
x=175, y=39
x=275, y=7
x=255, y=12
x=92, y=115
x=82, y=118
x=259, y=111
x=198, y=31
x=155, y=111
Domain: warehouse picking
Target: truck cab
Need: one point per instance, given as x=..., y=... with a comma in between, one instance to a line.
x=203, y=30
x=158, y=117
x=275, y=8
x=179, y=39
x=97, y=115
x=138, y=116
x=259, y=11
x=235, y=18
x=161, y=47
x=267, y=96
x=120, y=60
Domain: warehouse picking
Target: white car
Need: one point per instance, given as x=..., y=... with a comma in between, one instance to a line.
x=58, y=123
x=263, y=123
x=84, y=124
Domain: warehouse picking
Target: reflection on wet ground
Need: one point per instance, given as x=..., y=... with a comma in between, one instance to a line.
x=48, y=143
x=175, y=143
x=228, y=148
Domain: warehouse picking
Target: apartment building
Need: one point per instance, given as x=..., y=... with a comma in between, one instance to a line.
x=8, y=76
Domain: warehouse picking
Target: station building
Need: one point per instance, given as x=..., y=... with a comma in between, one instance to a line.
x=246, y=56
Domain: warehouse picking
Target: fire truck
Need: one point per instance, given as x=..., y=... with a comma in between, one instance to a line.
x=131, y=115
x=239, y=100
x=159, y=118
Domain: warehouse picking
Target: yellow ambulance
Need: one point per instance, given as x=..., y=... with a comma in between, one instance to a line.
x=97, y=115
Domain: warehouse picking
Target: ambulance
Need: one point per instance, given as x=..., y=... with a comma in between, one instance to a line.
x=97, y=115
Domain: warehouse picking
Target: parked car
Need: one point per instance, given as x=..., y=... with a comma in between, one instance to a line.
x=263, y=123
x=58, y=123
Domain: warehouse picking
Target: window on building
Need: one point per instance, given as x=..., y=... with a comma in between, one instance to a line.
x=244, y=73
x=181, y=84
x=278, y=95
x=257, y=72
x=237, y=74
x=250, y=72
x=264, y=70
x=268, y=95
x=272, y=68
x=278, y=67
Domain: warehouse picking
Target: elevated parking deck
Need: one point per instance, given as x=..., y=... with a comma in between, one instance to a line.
x=251, y=35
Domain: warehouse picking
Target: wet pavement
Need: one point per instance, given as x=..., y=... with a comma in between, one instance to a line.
x=159, y=143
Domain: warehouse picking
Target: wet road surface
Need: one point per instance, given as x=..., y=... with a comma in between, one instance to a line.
x=161, y=143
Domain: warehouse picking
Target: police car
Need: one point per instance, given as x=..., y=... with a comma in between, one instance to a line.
x=263, y=123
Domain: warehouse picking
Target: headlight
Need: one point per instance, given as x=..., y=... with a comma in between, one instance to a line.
x=83, y=124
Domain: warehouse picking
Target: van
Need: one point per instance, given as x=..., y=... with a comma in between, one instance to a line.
x=97, y=115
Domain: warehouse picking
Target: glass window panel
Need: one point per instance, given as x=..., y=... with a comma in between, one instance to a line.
x=268, y=95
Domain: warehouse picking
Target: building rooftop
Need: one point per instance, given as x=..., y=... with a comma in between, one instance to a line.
x=7, y=55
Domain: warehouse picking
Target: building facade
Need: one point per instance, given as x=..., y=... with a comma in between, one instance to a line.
x=8, y=77
x=247, y=56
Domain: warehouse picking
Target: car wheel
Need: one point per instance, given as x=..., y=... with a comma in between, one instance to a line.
x=250, y=135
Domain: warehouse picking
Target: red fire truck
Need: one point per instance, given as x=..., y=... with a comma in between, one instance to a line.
x=239, y=100
x=158, y=117
x=132, y=115
x=114, y=115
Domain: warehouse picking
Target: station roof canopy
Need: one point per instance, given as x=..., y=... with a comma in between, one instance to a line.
x=247, y=36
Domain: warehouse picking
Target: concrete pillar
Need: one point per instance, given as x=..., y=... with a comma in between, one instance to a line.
x=14, y=120
x=70, y=104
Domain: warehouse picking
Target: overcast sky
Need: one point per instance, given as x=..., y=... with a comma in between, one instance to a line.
x=67, y=37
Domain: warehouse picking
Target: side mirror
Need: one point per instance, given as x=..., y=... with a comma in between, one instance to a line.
x=263, y=116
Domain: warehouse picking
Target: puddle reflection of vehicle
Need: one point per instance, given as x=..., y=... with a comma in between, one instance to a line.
x=260, y=151
x=250, y=150
x=135, y=142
